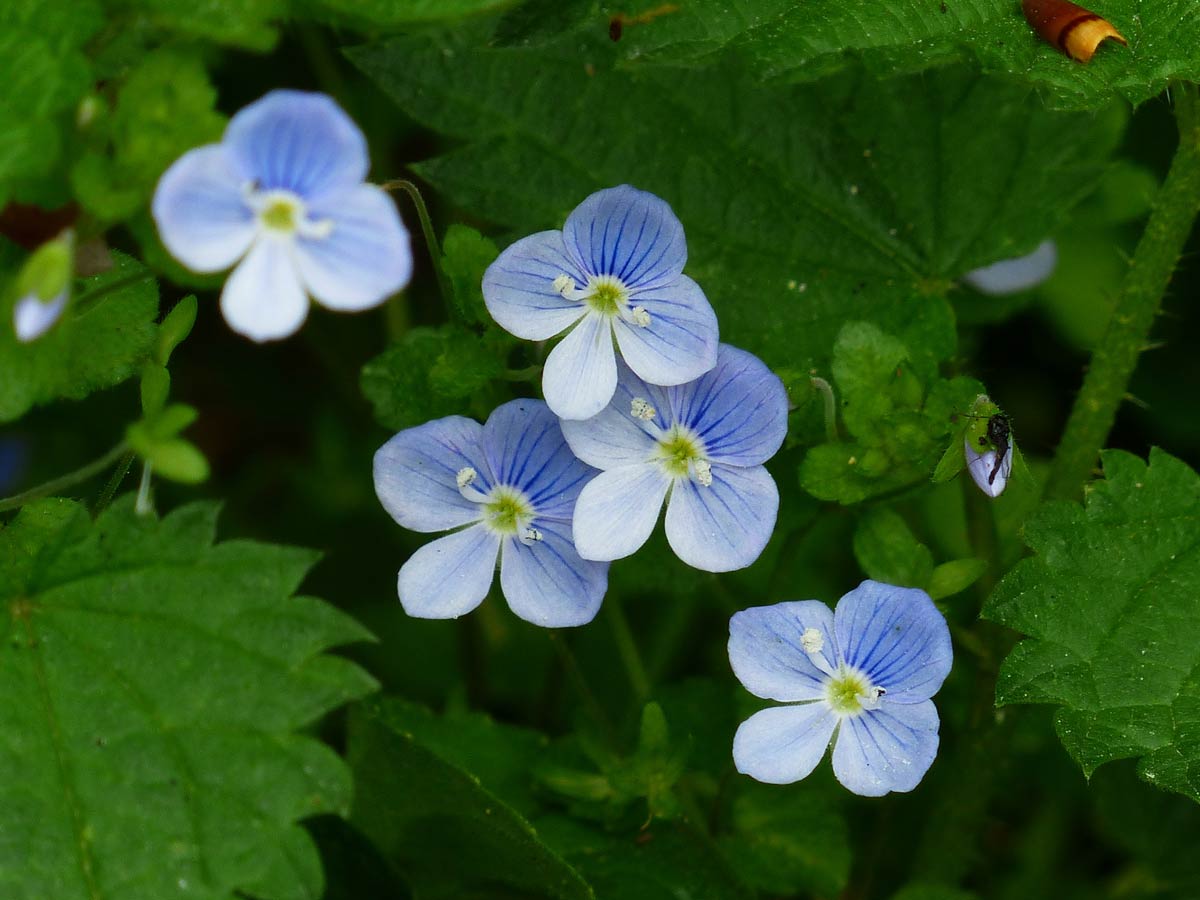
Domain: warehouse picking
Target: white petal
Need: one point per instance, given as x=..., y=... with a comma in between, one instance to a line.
x=886, y=749
x=33, y=317
x=200, y=210
x=783, y=744
x=581, y=372
x=616, y=437
x=263, y=298
x=725, y=525
x=451, y=576
x=365, y=258
x=1009, y=276
x=990, y=478
x=547, y=583
x=616, y=511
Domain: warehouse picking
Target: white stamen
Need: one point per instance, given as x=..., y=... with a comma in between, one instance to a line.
x=530, y=536
x=318, y=230
x=812, y=641
x=640, y=408
x=563, y=284
x=640, y=317
x=703, y=472
x=466, y=476
x=871, y=699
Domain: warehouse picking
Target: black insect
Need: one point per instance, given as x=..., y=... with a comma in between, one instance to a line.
x=999, y=432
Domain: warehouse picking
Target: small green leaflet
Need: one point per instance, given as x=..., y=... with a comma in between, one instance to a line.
x=863, y=200
x=785, y=40
x=1111, y=604
x=151, y=688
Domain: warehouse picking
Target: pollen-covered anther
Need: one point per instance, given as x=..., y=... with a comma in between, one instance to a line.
x=640, y=317
x=870, y=699
x=703, y=472
x=563, y=284
x=530, y=536
x=812, y=641
x=466, y=476
x=640, y=408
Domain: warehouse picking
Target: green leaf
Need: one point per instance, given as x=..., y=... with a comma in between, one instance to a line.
x=783, y=40
x=394, y=13
x=466, y=254
x=249, y=24
x=887, y=550
x=439, y=822
x=429, y=373
x=789, y=839
x=152, y=684
x=863, y=201
x=1111, y=604
x=954, y=577
x=163, y=109
x=932, y=892
x=101, y=340
x=175, y=327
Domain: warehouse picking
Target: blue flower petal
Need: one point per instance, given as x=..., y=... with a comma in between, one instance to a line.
x=627, y=233
x=263, y=298
x=416, y=474
x=725, y=525
x=33, y=317
x=1010, y=276
x=616, y=511
x=680, y=343
x=201, y=211
x=525, y=447
x=365, y=258
x=886, y=749
x=450, y=576
x=766, y=654
x=739, y=409
x=581, y=372
x=518, y=288
x=298, y=142
x=897, y=637
x=615, y=436
x=547, y=583
x=783, y=744
x=982, y=466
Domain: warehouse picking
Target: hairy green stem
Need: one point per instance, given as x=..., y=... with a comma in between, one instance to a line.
x=825, y=389
x=431, y=241
x=114, y=482
x=91, y=470
x=628, y=651
x=1116, y=355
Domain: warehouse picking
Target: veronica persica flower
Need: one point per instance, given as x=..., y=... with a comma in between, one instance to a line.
x=43, y=288
x=615, y=271
x=1010, y=276
x=859, y=679
x=508, y=489
x=700, y=448
x=282, y=197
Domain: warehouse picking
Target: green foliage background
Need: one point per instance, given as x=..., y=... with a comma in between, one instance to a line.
x=179, y=716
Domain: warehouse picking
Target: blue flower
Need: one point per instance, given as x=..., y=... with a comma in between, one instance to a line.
x=859, y=679
x=508, y=488
x=33, y=317
x=615, y=270
x=1011, y=276
x=283, y=193
x=43, y=287
x=700, y=447
x=991, y=477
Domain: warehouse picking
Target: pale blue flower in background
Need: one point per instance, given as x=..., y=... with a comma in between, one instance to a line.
x=282, y=197
x=700, y=447
x=859, y=679
x=615, y=271
x=1010, y=276
x=43, y=287
x=33, y=317
x=508, y=488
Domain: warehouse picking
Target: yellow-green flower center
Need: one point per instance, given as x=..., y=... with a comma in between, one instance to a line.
x=849, y=692
x=607, y=295
x=280, y=214
x=678, y=449
x=507, y=511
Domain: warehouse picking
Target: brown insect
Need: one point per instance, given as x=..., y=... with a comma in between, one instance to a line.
x=1074, y=30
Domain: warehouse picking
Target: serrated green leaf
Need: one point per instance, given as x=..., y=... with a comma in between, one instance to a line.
x=1111, y=604
x=466, y=254
x=152, y=684
x=789, y=839
x=163, y=109
x=887, y=550
x=448, y=833
x=864, y=200
x=396, y=13
x=102, y=339
x=784, y=40
x=250, y=24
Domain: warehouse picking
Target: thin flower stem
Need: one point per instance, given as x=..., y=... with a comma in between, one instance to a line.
x=144, y=506
x=567, y=657
x=431, y=241
x=1116, y=355
x=114, y=483
x=826, y=391
x=628, y=651
x=55, y=485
